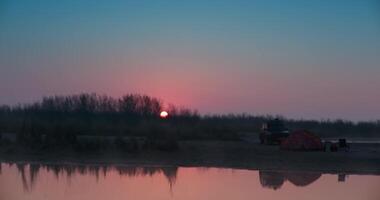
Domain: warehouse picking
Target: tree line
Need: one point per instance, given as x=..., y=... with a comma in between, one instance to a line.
x=59, y=120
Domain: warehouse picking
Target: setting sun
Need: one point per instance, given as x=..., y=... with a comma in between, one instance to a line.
x=164, y=114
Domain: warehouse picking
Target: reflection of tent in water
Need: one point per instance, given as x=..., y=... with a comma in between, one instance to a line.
x=275, y=179
x=302, y=178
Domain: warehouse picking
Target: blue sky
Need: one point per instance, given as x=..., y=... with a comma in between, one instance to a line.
x=303, y=59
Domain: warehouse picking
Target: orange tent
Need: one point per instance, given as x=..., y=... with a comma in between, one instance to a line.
x=302, y=140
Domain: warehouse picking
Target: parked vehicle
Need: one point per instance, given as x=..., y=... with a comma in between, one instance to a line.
x=273, y=132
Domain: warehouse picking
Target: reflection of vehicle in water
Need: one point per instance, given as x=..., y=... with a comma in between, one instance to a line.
x=273, y=132
x=271, y=179
x=275, y=179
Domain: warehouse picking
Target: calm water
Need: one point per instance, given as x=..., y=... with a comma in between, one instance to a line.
x=79, y=182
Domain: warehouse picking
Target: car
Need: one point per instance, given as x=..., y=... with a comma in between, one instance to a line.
x=273, y=132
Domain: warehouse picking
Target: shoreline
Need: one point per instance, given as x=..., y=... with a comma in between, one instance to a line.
x=362, y=159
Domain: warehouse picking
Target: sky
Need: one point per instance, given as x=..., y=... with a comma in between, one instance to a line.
x=310, y=59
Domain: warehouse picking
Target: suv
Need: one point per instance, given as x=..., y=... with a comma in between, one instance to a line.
x=273, y=132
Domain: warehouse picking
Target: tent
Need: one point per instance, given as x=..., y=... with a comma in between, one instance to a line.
x=302, y=140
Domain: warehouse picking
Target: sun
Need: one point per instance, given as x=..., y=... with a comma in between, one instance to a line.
x=164, y=114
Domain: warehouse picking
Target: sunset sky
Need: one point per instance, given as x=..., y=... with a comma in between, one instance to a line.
x=311, y=59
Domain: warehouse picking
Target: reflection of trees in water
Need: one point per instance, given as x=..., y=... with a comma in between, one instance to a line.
x=275, y=179
x=29, y=172
x=171, y=174
x=21, y=169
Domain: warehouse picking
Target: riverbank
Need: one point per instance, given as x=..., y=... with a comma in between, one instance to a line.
x=361, y=158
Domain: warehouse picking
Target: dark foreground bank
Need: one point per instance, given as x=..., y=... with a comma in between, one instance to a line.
x=361, y=158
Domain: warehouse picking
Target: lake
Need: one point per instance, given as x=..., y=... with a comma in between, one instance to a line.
x=95, y=182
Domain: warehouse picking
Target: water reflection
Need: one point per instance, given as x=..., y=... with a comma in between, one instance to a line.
x=342, y=177
x=268, y=179
x=29, y=172
x=37, y=181
x=271, y=179
x=275, y=179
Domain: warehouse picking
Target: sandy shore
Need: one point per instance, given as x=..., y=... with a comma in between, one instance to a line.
x=361, y=159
